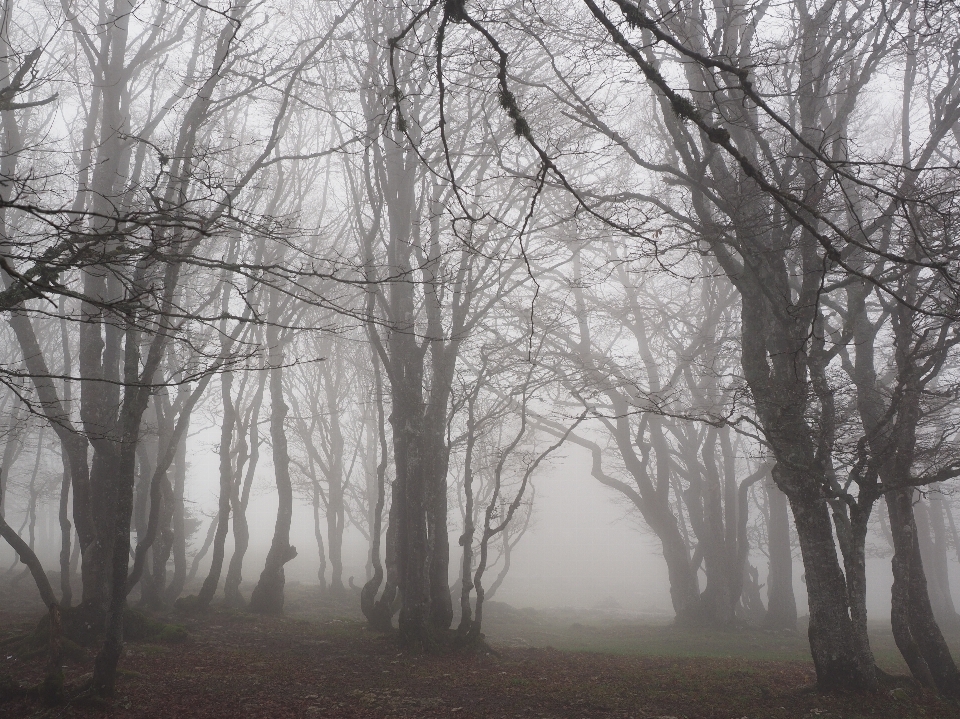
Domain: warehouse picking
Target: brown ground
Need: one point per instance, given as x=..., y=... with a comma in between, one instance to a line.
x=238, y=665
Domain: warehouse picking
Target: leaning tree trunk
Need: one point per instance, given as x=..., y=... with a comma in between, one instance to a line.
x=204, y=548
x=932, y=532
x=915, y=628
x=51, y=690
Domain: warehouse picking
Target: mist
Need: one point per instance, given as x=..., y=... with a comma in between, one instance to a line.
x=345, y=336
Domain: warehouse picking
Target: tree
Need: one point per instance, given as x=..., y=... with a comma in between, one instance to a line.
x=157, y=178
x=431, y=275
x=757, y=155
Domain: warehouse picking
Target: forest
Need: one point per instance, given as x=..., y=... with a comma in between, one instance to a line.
x=315, y=312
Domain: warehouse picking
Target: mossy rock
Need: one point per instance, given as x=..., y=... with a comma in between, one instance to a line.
x=140, y=627
x=174, y=634
x=81, y=629
x=189, y=605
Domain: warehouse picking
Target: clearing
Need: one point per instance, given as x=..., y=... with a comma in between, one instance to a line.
x=321, y=661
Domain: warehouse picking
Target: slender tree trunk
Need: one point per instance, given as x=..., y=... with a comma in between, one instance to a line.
x=335, y=508
x=147, y=452
x=379, y=614
x=66, y=527
x=66, y=532
x=469, y=529
x=781, y=601
x=204, y=548
x=241, y=528
x=267, y=596
x=318, y=533
x=438, y=454
x=210, y=584
x=241, y=531
x=163, y=545
x=177, y=582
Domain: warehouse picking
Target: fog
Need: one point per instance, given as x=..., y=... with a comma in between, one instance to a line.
x=584, y=550
x=471, y=324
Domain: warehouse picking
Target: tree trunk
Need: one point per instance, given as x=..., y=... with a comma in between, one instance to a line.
x=335, y=480
x=932, y=532
x=318, y=533
x=66, y=527
x=204, y=548
x=66, y=532
x=379, y=614
x=914, y=627
x=409, y=502
x=177, y=582
x=833, y=645
x=241, y=528
x=437, y=459
x=851, y=527
x=718, y=603
x=210, y=584
x=105, y=666
x=267, y=596
x=51, y=690
x=781, y=601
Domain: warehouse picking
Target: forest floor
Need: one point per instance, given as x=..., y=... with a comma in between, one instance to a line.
x=321, y=661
